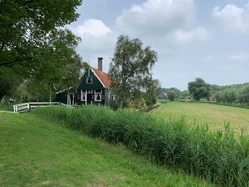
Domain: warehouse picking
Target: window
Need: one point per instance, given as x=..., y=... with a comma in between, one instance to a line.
x=98, y=96
x=83, y=95
x=113, y=97
x=89, y=80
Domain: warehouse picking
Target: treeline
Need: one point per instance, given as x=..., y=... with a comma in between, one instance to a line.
x=236, y=93
x=230, y=94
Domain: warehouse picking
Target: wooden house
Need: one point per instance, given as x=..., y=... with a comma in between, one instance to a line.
x=94, y=88
x=162, y=96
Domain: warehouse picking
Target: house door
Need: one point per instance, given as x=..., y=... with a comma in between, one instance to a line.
x=70, y=99
x=89, y=98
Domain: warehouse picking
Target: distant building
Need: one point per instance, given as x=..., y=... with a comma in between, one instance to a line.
x=162, y=96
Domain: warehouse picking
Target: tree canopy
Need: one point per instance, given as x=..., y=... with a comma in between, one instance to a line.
x=62, y=74
x=24, y=29
x=199, y=89
x=31, y=41
x=131, y=67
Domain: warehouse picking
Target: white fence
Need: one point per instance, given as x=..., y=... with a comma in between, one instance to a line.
x=24, y=107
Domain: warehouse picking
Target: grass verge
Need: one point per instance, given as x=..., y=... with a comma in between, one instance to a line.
x=220, y=157
x=38, y=152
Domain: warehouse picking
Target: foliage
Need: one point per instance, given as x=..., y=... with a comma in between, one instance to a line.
x=237, y=94
x=29, y=48
x=24, y=29
x=68, y=73
x=171, y=95
x=5, y=87
x=177, y=91
x=244, y=94
x=6, y=106
x=219, y=157
x=131, y=67
x=150, y=98
x=114, y=105
x=185, y=94
x=199, y=89
x=8, y=85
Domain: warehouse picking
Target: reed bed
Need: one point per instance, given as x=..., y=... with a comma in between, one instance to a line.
x=219, y=157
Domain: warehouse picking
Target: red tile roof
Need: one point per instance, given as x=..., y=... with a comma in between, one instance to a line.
x=104, y=78
x=165, y=94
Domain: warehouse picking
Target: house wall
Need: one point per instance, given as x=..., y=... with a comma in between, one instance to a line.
x=61, y=97
x=95, y=85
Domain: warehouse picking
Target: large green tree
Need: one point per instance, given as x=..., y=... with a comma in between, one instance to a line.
x=131, y=67
x=68, y=72
x=25, y=30
x=171, y=95
x=28, y=30
x=199, y=89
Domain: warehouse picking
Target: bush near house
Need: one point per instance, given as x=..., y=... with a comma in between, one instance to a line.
x=219, y=156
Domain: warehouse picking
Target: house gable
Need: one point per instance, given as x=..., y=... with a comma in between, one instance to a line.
x=89, y=81
x=94, y=88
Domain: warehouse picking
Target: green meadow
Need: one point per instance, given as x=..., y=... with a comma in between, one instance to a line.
x=36, y=151
x=215, y=116
x=177, y=144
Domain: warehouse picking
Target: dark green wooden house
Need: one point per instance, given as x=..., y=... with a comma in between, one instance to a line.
x=94, y=88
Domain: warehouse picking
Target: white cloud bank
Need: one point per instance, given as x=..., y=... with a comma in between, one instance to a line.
x=193, y=36
x=233, y=18
x=157, y=17
x=93, y=28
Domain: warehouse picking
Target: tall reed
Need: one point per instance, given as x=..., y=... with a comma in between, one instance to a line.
x=220, y=157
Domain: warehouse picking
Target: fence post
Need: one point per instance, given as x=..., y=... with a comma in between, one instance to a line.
x=29, y=106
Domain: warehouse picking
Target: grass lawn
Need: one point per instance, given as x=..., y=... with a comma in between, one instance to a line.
x=37, y=152
x=203, y=113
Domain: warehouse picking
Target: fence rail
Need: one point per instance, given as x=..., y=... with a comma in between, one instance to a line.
x=24, y=107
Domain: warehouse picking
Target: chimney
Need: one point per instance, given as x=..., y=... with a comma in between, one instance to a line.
x=100, y=63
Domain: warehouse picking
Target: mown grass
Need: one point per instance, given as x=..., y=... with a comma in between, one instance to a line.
x=219, y=157
x=216, y=116
x=40, y=152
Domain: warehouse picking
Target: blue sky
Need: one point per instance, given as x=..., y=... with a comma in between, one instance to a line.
x=208, y=39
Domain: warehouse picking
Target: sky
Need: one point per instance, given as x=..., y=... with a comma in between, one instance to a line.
x=206, y=39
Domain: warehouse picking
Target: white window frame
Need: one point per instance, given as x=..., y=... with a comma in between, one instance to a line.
x=96, y=95
x=83, y=93
x=89, y=77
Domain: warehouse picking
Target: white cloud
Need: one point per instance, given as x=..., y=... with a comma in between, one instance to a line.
x=97, y=40
x=233, y=18
x=191, y=37
x=157, y=17
x=209, y=58
x=236, y=57
x=92, y=27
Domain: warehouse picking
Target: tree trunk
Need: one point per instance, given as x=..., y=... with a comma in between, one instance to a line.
x=121, y=103
x=1, y=97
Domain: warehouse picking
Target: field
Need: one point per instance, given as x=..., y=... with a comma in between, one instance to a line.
x=215, y=116
x=39, y=152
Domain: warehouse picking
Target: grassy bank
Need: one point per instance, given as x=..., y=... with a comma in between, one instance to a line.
x=38, y=152
x=220, y=157
x=203, y=113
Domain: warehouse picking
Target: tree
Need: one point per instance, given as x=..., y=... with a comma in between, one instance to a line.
x=244, y=95
x=27, y=30
x=177, y=91
x=199, y=89
x=171, y=95
x=131, y=67
x=185, y=94
x=44, y=83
